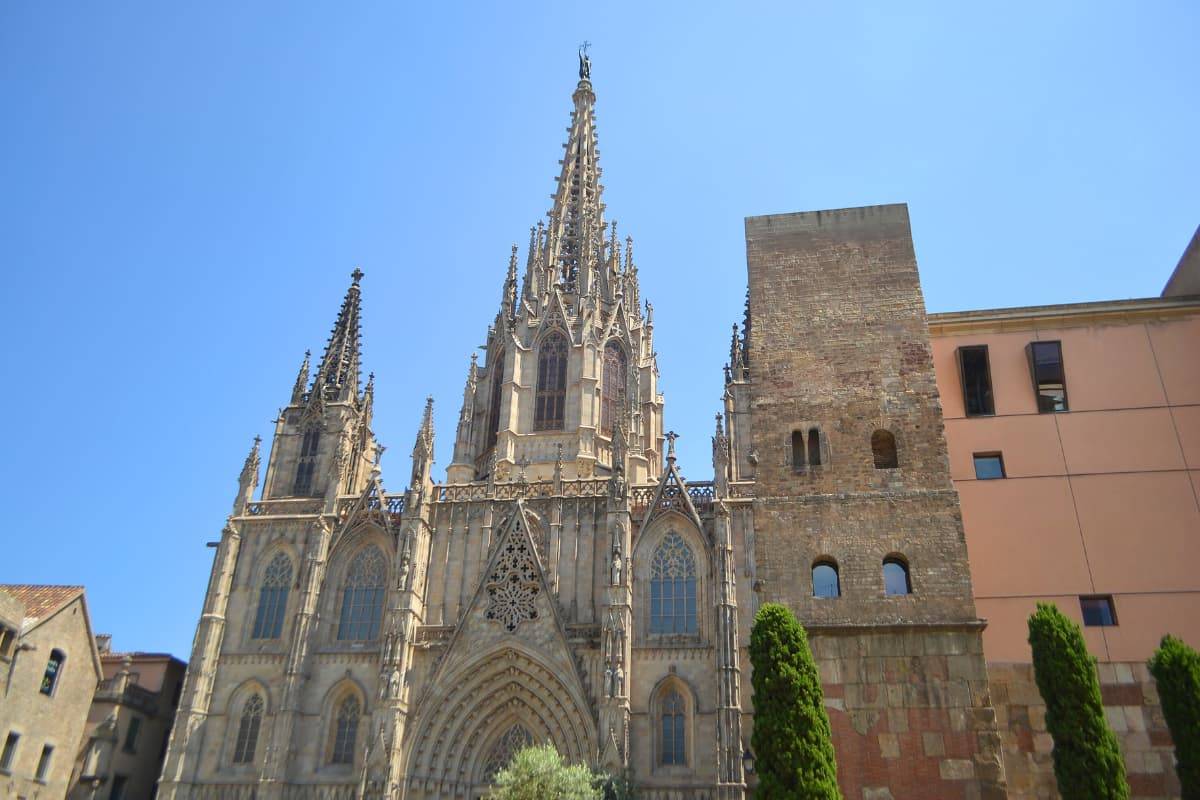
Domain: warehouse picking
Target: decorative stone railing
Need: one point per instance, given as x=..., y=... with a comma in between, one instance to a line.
x=133, y=695
x=287, y=507
x=701, y=494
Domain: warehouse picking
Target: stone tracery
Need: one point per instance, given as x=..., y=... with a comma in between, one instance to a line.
x=512, y=586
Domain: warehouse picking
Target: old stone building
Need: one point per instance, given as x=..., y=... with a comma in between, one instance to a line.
x=566, y=583
x=49, y=669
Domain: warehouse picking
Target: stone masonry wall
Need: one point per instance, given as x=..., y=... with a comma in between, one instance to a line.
x=839, y=343
x=1131, y=706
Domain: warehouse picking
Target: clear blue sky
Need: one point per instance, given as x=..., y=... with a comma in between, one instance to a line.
x=186, y=188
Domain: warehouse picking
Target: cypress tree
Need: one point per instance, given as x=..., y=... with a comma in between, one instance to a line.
x=1087, y=761
x=1176, y=668
x=793, y=746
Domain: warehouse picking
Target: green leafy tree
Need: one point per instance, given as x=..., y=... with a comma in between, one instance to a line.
x=539, y=773
x=1087, y=761
x=793, y=745
x=1176, y=668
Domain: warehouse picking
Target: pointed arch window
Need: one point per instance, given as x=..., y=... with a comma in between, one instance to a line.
x=497, y=378
x=673, y=587
x=272, y=598
x=513, y=741
x=551, y=384
x=345, y=731
x=674, y=736
x=612, y=390
x=248, y=727
x=303, y=484
x=362, y=597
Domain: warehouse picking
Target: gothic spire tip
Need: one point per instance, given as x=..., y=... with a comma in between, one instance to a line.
x=357, y=275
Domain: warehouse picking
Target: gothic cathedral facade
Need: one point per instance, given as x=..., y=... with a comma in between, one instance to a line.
x=565, y=584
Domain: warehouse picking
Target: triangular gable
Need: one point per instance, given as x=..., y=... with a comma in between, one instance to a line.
x=371, y=508
x=512, y=602
x=672, y=495
x=618, y=325
x=556, y=318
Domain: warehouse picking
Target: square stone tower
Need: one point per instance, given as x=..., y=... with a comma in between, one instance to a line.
x=857, y=525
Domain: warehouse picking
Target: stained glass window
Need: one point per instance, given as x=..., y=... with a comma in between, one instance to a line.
x=513, y=740
x=497, y=378
x=673, y=587
x=674, y=750
x=272, y=598
x=612, y=392
x=362, y=597
x=551, y=384
x=247, y=735
x=345, y=731
x=308, y=462
x=53, y=670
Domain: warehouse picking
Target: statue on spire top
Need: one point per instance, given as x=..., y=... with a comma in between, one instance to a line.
x=585, y=63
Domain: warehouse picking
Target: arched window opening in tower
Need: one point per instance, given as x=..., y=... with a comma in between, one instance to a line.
x=345, y=731
x=825, y=579
x=673, y=587
x=674, y=735
x=896, y=580
x=883, y=447
x=497, y=378
x=272, y=598
x=303, y=484
x=814, y=447
x=247, y=735
x=797, y=449
x=612, y=393
x=362, y=597
x=551, y=384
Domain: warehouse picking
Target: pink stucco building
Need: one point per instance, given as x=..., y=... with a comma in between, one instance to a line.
x=1074, y=440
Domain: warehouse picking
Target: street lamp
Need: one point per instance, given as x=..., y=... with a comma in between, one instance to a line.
x=748, y=761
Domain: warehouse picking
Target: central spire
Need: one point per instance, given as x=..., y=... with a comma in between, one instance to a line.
x=577, y=217
x=338, y=375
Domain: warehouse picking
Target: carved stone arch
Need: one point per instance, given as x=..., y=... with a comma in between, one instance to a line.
x=235, y=705
x=463, y=716
x=649, y=539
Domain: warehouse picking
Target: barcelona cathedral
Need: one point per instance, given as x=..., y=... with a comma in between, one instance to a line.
x=565, y=583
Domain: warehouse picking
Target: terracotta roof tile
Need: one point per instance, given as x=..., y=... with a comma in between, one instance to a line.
x=41, y=601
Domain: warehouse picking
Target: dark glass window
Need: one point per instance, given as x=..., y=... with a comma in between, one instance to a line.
x=362, y=597
x=673, y=587
x=1098, y=610
x=976, y=380
x=10, y=751
x=497, y=378
x=883, y=446
x=797, y=449
x=345, y=731
x=612, y=392
x=551, y=384
x=825, y=579
x=1049, y=380
x=44, y=762
x=53, y=670
x=272, y=598
x=131, y=734
x=673, y=718
x=895, y=577
x=118, y=788
x=814, y=447
x=248, y=727
x=989, y=466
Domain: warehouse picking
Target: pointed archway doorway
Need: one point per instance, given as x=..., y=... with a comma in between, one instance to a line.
x=473, y=720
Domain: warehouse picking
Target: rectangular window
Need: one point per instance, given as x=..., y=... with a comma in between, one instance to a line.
x=989, y=466
x=131, y=734
x=1098, y=610
x=44, y=762
x=976, y=380
x=118, y=788
x=1049, y=379
x=10, y=751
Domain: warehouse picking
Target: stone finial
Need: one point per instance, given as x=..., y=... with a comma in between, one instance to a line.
x=671, y=436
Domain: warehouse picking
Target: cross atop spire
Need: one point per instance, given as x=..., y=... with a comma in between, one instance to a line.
x=337, y=377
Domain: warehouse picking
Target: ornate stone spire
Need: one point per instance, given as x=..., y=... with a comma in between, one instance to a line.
x=301, y=385
x=422, y=454
x=508, y=297
x=248, y=479
x=337, y=377
x=577, y=216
